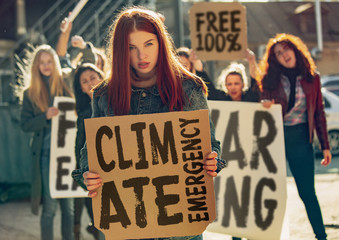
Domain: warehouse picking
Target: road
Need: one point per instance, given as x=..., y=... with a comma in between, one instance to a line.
x=18, y=223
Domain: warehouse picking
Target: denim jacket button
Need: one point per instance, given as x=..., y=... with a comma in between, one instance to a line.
x=143, y=94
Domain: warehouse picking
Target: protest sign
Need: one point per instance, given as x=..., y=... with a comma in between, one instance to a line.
x=62, y=155
x=154, y=184
x=251, y=190
x=218, y=30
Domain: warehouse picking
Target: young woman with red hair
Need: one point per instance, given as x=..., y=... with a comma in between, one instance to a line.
x=288, y=77
x=146, y=77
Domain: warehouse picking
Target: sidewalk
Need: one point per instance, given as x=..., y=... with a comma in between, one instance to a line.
x=18, y=223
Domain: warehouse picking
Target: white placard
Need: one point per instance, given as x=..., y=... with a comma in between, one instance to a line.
x=62, y=156
x=251, y=190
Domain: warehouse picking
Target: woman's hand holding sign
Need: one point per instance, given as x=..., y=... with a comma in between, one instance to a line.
x=267, y=103
x=210, y=164
x=92, y=181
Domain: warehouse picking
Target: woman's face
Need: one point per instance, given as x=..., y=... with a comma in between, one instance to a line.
x=143, y=49
x=234, y=86
x=285, y=55
x=88, y=80
x=46, y=66
x=185, y=62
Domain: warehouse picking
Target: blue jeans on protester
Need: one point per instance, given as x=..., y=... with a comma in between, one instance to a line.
x=49, y=206
x=300, y=157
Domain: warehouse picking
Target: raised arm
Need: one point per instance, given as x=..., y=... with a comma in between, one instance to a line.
x=61, y=47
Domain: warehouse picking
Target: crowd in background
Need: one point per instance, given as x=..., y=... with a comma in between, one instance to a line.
x=149, y=63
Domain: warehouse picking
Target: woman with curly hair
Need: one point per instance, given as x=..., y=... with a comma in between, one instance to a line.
x=288, y=77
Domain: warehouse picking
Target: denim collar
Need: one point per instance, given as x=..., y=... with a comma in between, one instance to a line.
x=153, y=90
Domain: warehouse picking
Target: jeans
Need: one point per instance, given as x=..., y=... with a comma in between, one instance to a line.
x=300, y=157
x=79, y=204
x=49, y=206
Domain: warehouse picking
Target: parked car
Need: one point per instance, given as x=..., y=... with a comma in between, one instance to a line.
x=331, y=103
x=331, y=83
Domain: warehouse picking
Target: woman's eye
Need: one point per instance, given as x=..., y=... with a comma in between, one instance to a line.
x=131, y=47
x=149, y=44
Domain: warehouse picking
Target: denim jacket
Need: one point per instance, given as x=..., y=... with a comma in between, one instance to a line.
x=146, y=101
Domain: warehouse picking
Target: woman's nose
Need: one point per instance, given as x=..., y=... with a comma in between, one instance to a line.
x=142, y=54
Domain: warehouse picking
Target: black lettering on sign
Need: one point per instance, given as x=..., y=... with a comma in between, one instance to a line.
x=199, y=20
x=199, y=204
x=110, y=195
x=184, y=123
x=192, y=180
x=261, y=143
x=223, y=20
x=192, y=156
x=62, y=172
x=215, y=114
x=217, y=181
x=103, y=130
x=198, y=217
x=138, y=128
x=191, y=144
x=162, y=200
x=195, y=191
x=232, y=135
x=223, y=30
x=75, y=185
x=220, y=42
x=211, y=19
x=232, y=202
x=219, y=22
x=168, y=143
x=232, y=39
x=63, y=123
x=140, y=211
x=209, y=42
x=270, y=204
x=196, y=167
x=200, y=42
x=235, y=18
x=123, y=164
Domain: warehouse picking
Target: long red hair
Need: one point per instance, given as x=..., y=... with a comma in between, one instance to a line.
x=270, y=68
x=170, y=72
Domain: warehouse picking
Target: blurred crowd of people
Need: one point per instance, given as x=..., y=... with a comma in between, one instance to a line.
x=143, y=60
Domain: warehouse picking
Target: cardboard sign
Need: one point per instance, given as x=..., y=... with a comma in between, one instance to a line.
x=154, y=184
x=251, y=190
x=62, y=155
x=218, y=30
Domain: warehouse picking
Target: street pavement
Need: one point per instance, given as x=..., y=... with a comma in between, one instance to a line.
x=18, y=223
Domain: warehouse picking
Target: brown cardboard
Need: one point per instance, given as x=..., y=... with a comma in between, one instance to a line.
x=218, y=30
x=122, y=131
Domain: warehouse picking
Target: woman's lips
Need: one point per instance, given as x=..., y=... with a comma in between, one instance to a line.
x=143, y=65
